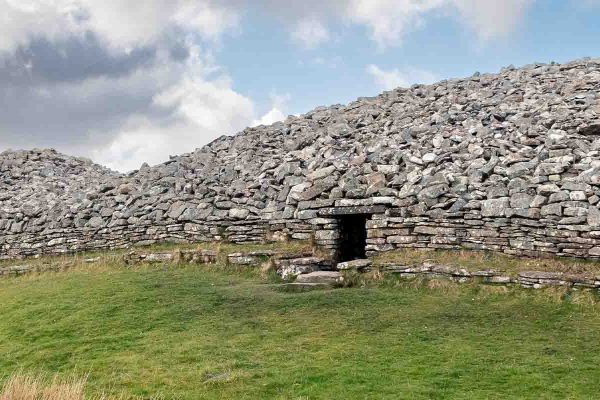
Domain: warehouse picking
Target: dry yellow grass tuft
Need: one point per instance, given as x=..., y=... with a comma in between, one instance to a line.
x=487, y=290
x=23, y=387
x=30, y=387
x=267, y=268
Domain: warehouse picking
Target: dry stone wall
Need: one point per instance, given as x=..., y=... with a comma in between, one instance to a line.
x=507, y=161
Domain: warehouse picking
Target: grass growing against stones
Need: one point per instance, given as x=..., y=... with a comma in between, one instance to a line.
x=114, y=257
x=479, y=260
x=199, y=332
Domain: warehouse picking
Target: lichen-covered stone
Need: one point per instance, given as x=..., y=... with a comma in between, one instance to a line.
x=329, y=277
x=495, y=207
x=354, y=265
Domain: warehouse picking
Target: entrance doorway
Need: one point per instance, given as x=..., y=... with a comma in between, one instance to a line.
x=353, y=237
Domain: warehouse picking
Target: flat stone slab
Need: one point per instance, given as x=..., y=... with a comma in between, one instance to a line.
x=536, y=275
x=356, y=210
x=262, y=253
x=355, y=264
x=302, y=261
x=327, y=277
x=486, y=273
x=408, y=269
x=156, y=257
x=499, y=279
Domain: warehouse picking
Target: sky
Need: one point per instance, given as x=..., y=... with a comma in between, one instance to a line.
x=128, y=82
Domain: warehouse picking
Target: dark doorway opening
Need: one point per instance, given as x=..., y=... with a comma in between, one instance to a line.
x=353, y=237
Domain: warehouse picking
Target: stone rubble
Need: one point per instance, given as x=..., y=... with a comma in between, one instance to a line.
x=252, y=258
x=507, y=162
x=291, y=268
x=288, y=265
x=16, y=270
x=21, y=269
x=176, y=256
x=527, y=279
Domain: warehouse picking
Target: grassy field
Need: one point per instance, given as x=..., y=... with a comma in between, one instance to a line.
x=193, y=332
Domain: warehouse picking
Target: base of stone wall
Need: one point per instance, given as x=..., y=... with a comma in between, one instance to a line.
x=294, y=269
x=526, y=279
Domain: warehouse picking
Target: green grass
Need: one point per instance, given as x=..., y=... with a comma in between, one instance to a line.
x=192, y=332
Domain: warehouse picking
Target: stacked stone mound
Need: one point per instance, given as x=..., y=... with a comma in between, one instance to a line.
x=506, y=161
x=46, y=189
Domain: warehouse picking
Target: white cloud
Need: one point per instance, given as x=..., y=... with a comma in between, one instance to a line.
x=172, y=106
x=166, y=109
x=274, y=115
x=21, y=20
x=277, y=111
x=121, y=24
x=389, y=21
x=142, y=142
x=196, y=108
x=492, y=19
x=207, y=19
x=310, y=33
x=388, y=80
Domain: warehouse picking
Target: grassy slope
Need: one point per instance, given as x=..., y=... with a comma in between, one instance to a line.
x=193, y=332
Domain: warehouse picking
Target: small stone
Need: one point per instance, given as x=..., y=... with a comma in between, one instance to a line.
x=538, y=201
x=578, y=196
x=594, y=251
x=329, y=277
x=433, y=192
x=429, y=157
x=238, y=213
x=495, y=207
x=548, y=189
x=551, y=209
x=321, y=173
x=563, y=195
x=96, y=222
x=521, y=200
x=354, y=265
x=593, y=216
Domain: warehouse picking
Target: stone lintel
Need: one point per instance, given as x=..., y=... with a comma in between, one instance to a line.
x=357, y=210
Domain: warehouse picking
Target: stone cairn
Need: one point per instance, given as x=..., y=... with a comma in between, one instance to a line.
x=507, y=162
